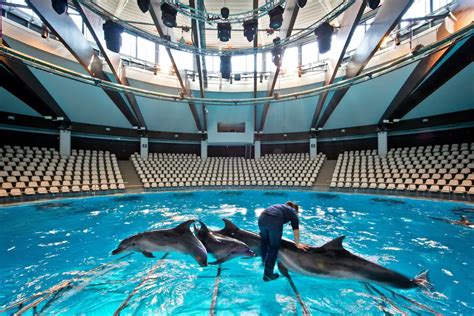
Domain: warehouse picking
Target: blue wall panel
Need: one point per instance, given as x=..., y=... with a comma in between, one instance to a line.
x=10, y=103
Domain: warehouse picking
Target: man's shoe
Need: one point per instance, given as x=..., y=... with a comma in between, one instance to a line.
x=270, y=277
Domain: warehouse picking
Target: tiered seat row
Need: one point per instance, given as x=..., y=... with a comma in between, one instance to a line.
x=445, y=169
x=31, y=171
x=181, y=170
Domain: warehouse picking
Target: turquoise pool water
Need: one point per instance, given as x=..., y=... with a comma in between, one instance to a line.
x=45, y=243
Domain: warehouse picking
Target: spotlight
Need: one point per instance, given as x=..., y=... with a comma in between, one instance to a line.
x=224, y=31
x=44, y=31
x=261, y=78
x=302, y=3
x=276, y=52
x=60, y=6
x=373, y=4
x=226, y=67
x=168, y=14
x=144, y=5
x=276, y=17
x=225, y=12
x=324, y=36
x=113, y=35
x=250, y=29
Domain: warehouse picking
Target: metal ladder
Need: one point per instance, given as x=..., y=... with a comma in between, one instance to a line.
x=248, y=151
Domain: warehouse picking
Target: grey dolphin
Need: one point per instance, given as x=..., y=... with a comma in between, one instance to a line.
x=179, y=239
x=223, y=248
x=330, y=260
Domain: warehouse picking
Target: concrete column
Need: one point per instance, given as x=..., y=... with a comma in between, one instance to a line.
x=257, y=145
x=203, y=149
x=313, y=147
x=144, y=148
x=382, y=144
x=64, y=142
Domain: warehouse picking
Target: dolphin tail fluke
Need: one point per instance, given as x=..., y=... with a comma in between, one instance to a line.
x=283, y=270
x=423, y=281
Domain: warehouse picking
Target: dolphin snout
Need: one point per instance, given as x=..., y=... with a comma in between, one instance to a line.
x=117, y=251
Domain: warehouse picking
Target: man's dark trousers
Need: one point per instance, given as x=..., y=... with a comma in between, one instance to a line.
x=270, y=233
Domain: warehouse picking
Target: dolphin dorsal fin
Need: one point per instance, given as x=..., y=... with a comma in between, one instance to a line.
x=335, y=244
x=185, y=226
x=229, y=225
x=204, y=228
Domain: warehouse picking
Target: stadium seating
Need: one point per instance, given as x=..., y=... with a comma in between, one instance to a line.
x=188, y=170
x=26, y=171
x=447, y=169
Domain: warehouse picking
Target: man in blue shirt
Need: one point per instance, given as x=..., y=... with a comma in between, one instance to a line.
x=271, y=223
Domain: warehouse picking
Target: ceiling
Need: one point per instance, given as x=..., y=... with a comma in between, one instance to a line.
x=128, y=10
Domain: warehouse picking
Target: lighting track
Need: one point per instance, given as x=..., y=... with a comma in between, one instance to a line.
x=364, y=77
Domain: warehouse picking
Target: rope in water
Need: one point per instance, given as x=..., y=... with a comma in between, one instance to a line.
x=298, y=296
x=137, y=288
x=385, y=299
x=42, y=296
x=215, y=293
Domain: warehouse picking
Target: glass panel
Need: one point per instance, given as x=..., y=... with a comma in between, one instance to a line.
x=290, y=59
x=357, y=37
x=77, y=19
x=184, y=60
x=129, y=45
x=269, y=66
x=213, y=63
x=164, y=60
x=309, y=53
x=419, y=8
x=437, y=4
x=146, y=50
x=259, y=62
x=239, y=64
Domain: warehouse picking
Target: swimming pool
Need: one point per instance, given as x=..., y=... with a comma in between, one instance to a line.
x=47, y=242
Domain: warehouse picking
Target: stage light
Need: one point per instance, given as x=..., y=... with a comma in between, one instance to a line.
x=144, y=5
x=301, y=3
x=224, y=31
x=168, y=14
x=60, y=6
x=276, y=52
x=226, y=67
x=373, y=4
x=225, y=12
x=250, y=29
x=324, y=36
x=276, y=17
x=113, y=35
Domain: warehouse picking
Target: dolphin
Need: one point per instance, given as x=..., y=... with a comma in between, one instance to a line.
x=179, y=239
x=330, y=260
x=223, y=248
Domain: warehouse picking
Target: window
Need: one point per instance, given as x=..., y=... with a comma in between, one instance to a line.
x=230, y=127
x=290, y=59
x=213, y=63
x=419, y=8
x=184, y=60
x=269, y=66
x=28, y=14
x=438, y=4
x=146, y=50
x=357, y=37
x=129, y=45
x=309, y=53
x=164, y=59
x=77, y=19
x=259, y=62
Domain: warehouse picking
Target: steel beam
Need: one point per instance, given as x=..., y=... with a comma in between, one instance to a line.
x=463, y=11
x=21, y=82
x=349, y=23
x=196, y=34
x=155, y=12
x=289, y=19
x=94, y=23
x=387, y=17
x=71, y=37
x=451, y=66
x=255, y=46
